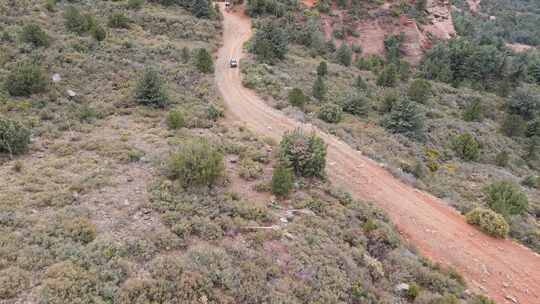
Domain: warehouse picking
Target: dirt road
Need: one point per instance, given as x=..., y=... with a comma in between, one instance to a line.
x=502, y=269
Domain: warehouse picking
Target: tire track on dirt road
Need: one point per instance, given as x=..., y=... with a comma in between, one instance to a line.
x=501, y=269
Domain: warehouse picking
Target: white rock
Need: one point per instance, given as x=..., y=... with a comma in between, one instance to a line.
x=71, y=93
x=402, y=287
x=56, y=77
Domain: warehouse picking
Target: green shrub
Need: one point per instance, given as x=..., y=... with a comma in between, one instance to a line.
x=203, y=61
x=388, y=76
x=76, y=22
x=488, y=221
x=406, y=119
x=135, y=4
x=319, y=88
x=196, y=163
x=506, y=198
x=13, y=281
x=270, y=42
x=33, y=34
x=175, y=120
x=201, y=8
x=513, y=125
x=25, y=79
x=66, y=282
x=419, y=90
x=186, y=55
x=305, y=153
x=330, y=113
x=14, y=137
x=413, y=291
x=50, y=5
x=466, y=147
x=249, y=169
x=79, y=229
x=389, y=99
x=150, y=90
x=119, y=20
x=480, y=299
x=531, y=181
x=98, y=32
x=356, y=104
x=322, y=69
x=473, y=111
x=214, y=113
x=297, y=98
x=502, y=159
x=282, y=180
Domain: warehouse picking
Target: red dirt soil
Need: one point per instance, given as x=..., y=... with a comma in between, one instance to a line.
x=501, y=269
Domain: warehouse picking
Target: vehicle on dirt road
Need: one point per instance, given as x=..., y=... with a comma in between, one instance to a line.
x=233, y=63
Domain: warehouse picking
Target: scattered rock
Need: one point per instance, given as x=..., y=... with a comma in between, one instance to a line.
x=402, y=287
x=56, y=78
x=283, y=220
x=71, y=93
x=511, y=298
x=129, y=179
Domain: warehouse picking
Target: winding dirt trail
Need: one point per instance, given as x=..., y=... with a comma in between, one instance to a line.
x=501, y=269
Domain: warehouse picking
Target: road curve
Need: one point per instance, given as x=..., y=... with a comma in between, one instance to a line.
x=501, y=269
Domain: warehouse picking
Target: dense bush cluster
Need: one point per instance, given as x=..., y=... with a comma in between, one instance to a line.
x=466, y=147
x=270, y=42
x=489, y=221
x=33, y=34
x=25, y=79
x=506, y=198
x=306, y=154
x=196, y=163
x=330, y=113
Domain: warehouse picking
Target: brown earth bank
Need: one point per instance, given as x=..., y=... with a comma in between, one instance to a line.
x=501, y=269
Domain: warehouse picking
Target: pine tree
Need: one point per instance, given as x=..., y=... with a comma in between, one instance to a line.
x=282, y=180
x=344, y=54
x=322, y=69
x=406, y=119
x=360, y=84
x=297, y=98
x=356, y=104
x=319, y=89
x=270, y=42
x=388, y=76
x=201, y=8
x=150, y=90
x=203, y=61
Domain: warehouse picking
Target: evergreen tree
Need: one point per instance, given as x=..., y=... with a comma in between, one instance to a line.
x=185, y=55
x=150, y=90
x=344, y=54
x=356, y=104
x=319, y=89
x=322, y=69
x=406, y=119
x=270, y=42
x=203, y=61
x=282, y=180
x=419, y=90
x=388, y=76
x=201, y=8
x=360, y=84
x=297, y=98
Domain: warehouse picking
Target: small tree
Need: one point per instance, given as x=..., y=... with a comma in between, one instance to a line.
x=466, y=147
x=203, y=61
x=360, y=84
x=33, y=34
x=405, y=118
x=201, y=8
x=98, y=32
x=14, y=137
x=524, y=102
x=119, y=20
x=26, y=79
x=489, y=221
x=186, y=55
x=322, y=69
x=305, y=153
x=502, y=159
x=356, y=104
x=150, y=90
x=513, y=125
x=297, y=98
x=282, y=180
x=175, y=120
x=388, y=76
x=506, y=198
x=319, y=89
x=270, y=42
x=344, y=54
x=533, y=128
x=419, y=90
x=330, y=113
x=196, y=163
